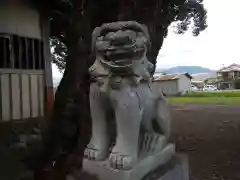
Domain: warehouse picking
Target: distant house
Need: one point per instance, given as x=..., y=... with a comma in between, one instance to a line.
x=172, y=84
x=229, y=77
x=201, y=79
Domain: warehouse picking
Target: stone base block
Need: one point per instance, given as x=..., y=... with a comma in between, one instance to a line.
x=176, y=169
x=144, y=167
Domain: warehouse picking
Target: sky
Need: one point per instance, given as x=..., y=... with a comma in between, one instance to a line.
x=218, y=45
x=215, y=47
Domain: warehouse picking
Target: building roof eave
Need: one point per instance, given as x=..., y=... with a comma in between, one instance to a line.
x=44, y=6
x=170, y=77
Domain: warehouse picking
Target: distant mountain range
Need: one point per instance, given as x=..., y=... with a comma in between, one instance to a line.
x=197, y=72
x=188, y=69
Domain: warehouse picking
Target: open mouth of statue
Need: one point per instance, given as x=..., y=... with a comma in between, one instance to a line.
x=122, y=58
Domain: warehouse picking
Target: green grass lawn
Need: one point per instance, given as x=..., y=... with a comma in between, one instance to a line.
x=206, y=100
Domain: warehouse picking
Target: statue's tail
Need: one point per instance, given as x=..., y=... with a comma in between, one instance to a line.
x=155, y=142
x=163, y=115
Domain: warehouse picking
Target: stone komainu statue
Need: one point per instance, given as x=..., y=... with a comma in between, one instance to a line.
x=123, y=85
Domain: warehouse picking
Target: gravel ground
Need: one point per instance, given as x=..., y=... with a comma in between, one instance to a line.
x=209, y=135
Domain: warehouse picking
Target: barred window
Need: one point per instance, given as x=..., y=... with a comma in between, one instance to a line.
x=21, y=53
x=5, y=61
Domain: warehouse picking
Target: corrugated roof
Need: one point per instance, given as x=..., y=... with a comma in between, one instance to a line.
x=170, y=77
x=232, y=67
x=165, y=77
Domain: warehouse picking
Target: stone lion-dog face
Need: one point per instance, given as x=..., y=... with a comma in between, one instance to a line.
x=121, y=71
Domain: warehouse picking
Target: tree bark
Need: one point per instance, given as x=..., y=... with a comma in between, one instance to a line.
x=70, y=111
x=70, y=126
x=157, y=39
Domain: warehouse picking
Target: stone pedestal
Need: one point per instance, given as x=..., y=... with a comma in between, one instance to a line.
x=176, y=169
x=139, y=172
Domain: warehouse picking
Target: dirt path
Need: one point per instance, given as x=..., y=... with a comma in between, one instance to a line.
x=210, y=135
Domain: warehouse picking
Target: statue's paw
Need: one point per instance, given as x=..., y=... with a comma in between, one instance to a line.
x=123, y=162
x=94, y=154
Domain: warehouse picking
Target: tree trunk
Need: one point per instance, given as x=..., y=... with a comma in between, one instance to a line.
x=70, y=123
x=157, y=39
x=136, y=10
x=70, y=127
x=70, y=118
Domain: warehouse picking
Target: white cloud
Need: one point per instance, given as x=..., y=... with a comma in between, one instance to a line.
x=217, y=45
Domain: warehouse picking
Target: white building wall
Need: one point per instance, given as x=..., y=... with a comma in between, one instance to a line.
x=167, y=87
x=19, y=20
x=22, y=90
x=184, y=83
x=22, y=94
